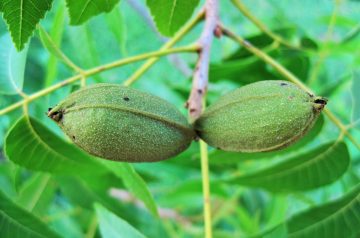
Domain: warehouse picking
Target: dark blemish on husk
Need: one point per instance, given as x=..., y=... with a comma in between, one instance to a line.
x=199, y=91
x=283, y=84
x=126, y=98
x=321, y=101
x=56, y=116
x=192, y=110
x=311, y=95
x=73, y=137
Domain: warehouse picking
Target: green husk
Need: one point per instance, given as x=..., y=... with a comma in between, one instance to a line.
x=123, y=124
x=262, y=116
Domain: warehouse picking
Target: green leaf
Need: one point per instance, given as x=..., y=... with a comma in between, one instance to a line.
x=134, y=183
x=51, y=46
x=356, y=98
x=12, y=66
x=241, y=71
x=56, y=34
x=170, y=15
x=339, y=218
x=36, y=194
x=22, y=16
x=82, y=10
x=117, y=25
x=16, y=222
x=33, y=146
x=310, y=170
x=113, y=226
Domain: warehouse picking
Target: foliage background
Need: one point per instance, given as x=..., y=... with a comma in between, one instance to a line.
x=95, y=204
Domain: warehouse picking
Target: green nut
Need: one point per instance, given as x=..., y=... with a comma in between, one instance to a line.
x=123, y=124
x=262, y=116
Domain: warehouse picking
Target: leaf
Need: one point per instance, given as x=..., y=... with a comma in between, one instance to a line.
x=16, y=222
x=356, y=98
x=117, y=25
x=220, y=157
x=241, y=71
x=88, y=190
x=134, y=183
x=170, y=15
x=56, y=34
x=33, y=146
x=36, y=194
x=22, y=16
x=12, y=66
x=339, y=218
x=50, y=45
x=313, y=169
x=113, y=226
x=82, y=10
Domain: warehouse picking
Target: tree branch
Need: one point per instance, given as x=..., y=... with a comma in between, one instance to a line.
x=174, y=59
x=200, y=77
x=97, y=70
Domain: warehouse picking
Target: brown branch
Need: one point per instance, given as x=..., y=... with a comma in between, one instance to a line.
x=200, y=76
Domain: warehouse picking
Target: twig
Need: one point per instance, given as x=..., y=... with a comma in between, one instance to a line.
x=97, y=70
x=200, y=77
x=324, y=52
x=288, y=75
x=168, y=45
x=177, y=61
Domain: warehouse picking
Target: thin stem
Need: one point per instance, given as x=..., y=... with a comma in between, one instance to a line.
x=83, y=81
x=324, y=53
x=201, y=72
x=244, y=10
x=54, y=49
x=96, y=70
x=288, y=75
x=206, y=188
x=167, y=45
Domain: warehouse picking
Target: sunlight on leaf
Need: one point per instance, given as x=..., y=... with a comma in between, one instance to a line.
x=12, y=66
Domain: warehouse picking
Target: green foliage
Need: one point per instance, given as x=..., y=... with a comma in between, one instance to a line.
x=12, y=67
x=170, y=15
x=22, y=17
x=81, y=10
x=16, y=222
x=29, y=139
x=51, y=188
x=339, y=218
x=113, y=226
x=309, y=170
